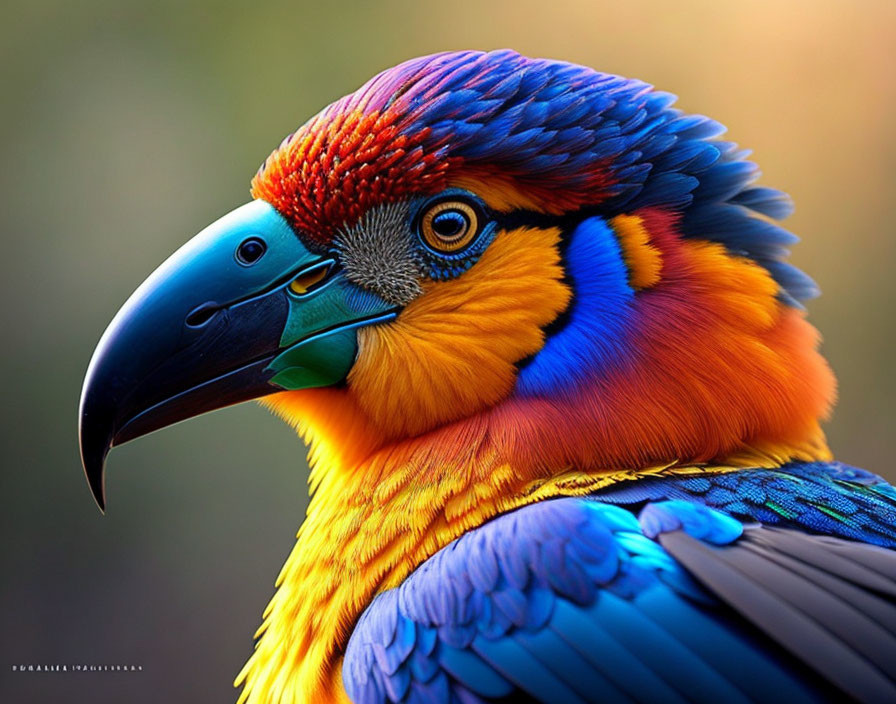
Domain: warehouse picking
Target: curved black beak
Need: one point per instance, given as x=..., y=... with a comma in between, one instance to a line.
x=219, y=322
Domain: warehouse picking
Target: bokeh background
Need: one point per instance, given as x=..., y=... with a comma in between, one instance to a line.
x=127, y=126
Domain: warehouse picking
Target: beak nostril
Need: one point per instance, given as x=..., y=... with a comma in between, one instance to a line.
x=201, y=314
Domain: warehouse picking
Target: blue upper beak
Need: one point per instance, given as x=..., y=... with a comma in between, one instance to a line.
x=242, y=310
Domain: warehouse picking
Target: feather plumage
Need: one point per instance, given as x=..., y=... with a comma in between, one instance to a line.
x=628, y=333
x=576, y=600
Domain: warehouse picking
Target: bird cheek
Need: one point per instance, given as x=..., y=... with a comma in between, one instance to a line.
x=452, y=351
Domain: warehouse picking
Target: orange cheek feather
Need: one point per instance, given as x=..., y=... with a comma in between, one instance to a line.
x=451, y=352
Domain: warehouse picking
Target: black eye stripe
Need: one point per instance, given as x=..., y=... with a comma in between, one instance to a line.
x=515, y=219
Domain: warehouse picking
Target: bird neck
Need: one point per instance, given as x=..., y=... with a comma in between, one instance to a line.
x=374, y=518
x=690, y=356
x=368, y=526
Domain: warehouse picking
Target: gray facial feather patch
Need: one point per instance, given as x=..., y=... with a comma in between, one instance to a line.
x=379, y=254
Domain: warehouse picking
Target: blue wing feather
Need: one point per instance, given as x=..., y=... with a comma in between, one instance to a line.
x=579, y=600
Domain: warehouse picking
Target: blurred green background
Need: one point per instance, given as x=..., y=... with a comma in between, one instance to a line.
x=126, y=127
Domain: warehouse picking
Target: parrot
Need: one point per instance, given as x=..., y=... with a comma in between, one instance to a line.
x=562, y=404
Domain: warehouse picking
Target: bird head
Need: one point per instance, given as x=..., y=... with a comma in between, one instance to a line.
x=484, y=246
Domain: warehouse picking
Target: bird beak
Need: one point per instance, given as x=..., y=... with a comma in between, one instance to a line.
x=241, y=311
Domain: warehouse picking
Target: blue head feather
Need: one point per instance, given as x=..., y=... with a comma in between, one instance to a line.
x=592, y=142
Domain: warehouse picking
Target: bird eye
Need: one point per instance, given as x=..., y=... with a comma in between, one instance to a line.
x=250, y=250
x=449, y=225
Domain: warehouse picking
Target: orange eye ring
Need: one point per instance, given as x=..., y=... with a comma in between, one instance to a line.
x=449, y=225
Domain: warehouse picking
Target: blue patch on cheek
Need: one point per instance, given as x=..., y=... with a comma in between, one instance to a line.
x=594, y=337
